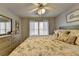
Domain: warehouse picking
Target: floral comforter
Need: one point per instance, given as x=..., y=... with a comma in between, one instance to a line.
x=45, y=46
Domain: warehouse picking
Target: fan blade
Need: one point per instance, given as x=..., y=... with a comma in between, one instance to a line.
x=44, y=4
x=49, y=8
x=34, y=10
x=37, y=4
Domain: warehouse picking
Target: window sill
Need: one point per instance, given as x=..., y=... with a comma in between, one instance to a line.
x=5, y=36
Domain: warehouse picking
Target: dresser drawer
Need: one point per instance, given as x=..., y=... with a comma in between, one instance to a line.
x=4, y=46
x=4, y=40
x=5, y=51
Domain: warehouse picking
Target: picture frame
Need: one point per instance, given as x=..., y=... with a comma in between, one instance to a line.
x=73, y=16
x=16, y=26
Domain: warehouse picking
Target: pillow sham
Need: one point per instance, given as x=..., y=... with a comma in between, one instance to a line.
x=63, y=35
x=55, y=35
x=77, y=41
x=71, y=39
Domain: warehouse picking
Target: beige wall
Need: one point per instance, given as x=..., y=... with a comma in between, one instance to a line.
x=51, y=25
x=5, y=12
x=24, y=28
x=25, y=25
x=15, y=39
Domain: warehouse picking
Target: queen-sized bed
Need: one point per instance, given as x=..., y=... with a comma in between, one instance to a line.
x=61, y=43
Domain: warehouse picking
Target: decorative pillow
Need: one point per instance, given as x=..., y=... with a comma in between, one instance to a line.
x=71, y=39
x=77, y=41
x=63, y=35
x=55, y=35
x=67, y=32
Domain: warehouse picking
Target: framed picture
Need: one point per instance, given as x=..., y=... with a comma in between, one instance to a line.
x=73, y=16
x=16, y=26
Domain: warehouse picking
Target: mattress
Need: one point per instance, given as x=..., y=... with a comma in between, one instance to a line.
x=45, y=46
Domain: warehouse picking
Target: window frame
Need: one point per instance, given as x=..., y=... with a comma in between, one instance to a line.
x=38, y=27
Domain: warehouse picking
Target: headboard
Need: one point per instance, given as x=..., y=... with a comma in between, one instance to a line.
x=70, y=27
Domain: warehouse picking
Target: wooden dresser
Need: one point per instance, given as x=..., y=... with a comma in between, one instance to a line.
x=8, y=43
x=5, y=44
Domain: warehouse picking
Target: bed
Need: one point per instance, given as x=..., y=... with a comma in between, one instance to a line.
x=50, y=45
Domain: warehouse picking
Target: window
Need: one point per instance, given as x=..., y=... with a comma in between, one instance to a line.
x=5, y=25
x=43, y=28
x=33, y=28
x=38, y=28
x=5, y=28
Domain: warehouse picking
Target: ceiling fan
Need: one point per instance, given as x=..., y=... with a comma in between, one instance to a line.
x=41, y=8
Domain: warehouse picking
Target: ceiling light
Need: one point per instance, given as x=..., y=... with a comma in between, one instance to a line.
x=41, y=11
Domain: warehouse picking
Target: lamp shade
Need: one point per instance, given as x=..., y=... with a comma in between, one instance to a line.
x=41, y=11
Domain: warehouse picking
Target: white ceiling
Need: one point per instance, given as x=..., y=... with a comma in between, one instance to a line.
x=23, y=9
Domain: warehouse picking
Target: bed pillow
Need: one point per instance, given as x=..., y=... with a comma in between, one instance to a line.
x=55, y=35
x=63, y=35
x=67, y=32
x=61, y=31
x=77, y=41
x=71, y=39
